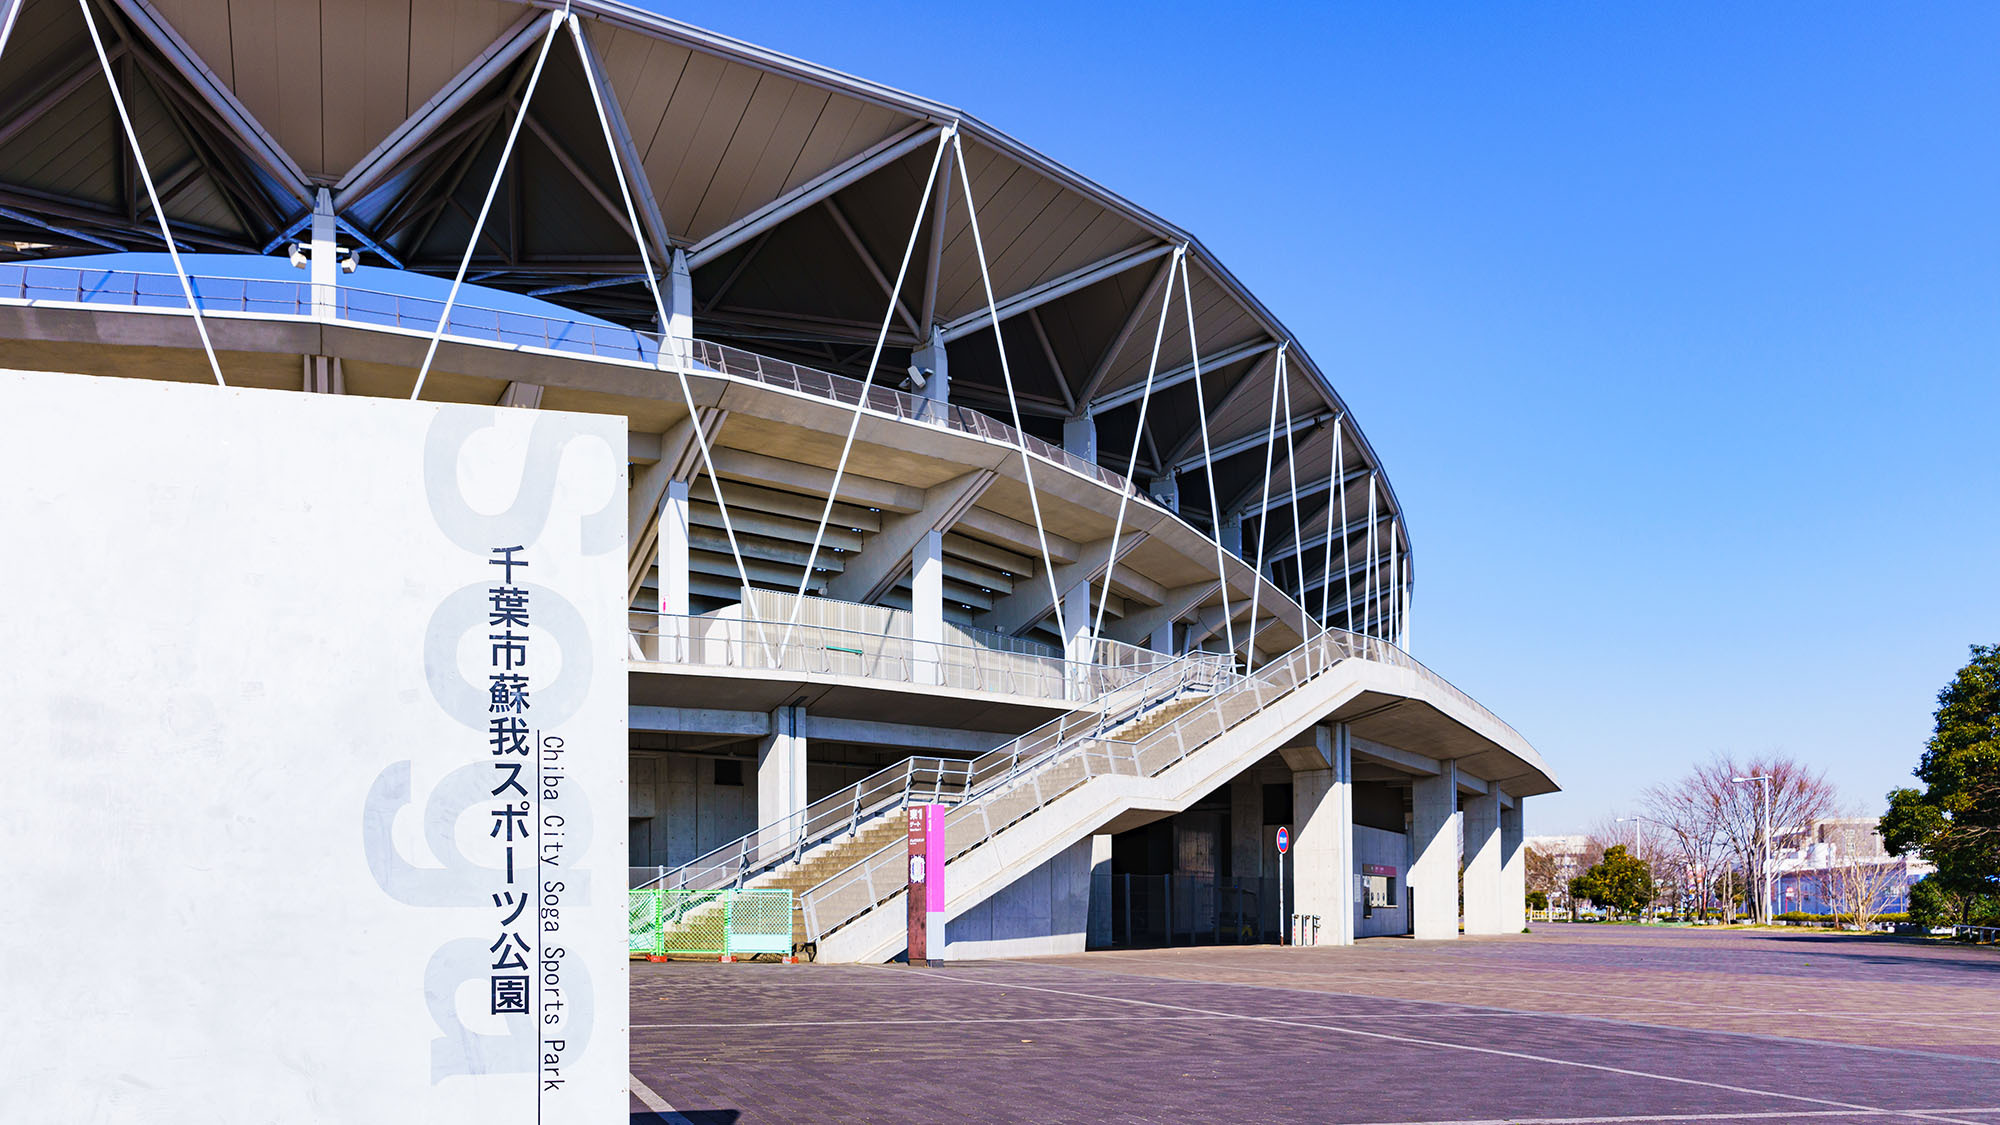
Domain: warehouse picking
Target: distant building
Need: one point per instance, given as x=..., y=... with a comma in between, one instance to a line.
x=1820, y=865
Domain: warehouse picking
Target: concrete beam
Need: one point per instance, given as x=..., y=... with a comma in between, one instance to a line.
x=1401, y=759
x=698, y=720
x=1137, y=628
x=886, y=555
x=1032, y=601
x=792, y=476
x=903, y=735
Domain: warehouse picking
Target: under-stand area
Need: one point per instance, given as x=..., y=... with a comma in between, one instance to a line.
x=1572, y=1024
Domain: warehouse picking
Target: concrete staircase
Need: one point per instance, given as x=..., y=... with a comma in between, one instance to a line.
x=1161, y=763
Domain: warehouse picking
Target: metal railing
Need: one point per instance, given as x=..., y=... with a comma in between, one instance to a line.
x=71, y=285
x=1068, y=763
x=842, y=814
x=803, y=649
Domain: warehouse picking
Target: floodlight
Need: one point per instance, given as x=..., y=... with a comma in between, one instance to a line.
x=299, y=256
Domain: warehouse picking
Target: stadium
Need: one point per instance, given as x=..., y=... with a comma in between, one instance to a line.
x=949, y=477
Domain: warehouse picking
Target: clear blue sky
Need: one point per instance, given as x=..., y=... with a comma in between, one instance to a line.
x=1677, y=329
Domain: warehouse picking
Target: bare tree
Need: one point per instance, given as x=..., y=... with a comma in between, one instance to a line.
x=1714, y=819
x=1689, y=816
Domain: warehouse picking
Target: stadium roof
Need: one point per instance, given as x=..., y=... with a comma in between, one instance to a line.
x=792, y=190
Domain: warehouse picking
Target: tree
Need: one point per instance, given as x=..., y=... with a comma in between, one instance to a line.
x=1855, y=886
x=1954, y=822
x=1714, y=819
x=1932, y=903
x=1620, y=882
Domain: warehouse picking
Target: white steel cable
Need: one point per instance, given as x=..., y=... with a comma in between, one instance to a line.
x=1368, y=583
x=7, y=26
x=1208, y=463
x=1395, y=589
x=1292, y=471
x=945, y=138
x=659, y=304
x=492, y=189
x=1020, y=433
x=145, y=173
x=1263, y=520
x=1336, y=517
x=1138, y=433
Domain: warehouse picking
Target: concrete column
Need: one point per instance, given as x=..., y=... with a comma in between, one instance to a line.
x=1434, y=840
x=325, y=258
x=781, y=767
x=1080, y=436
x=931, y=360
x=1231, y=534
x=1167, y=490
x=927, y=605
x=680, y=306
x=1163, y=638
x=673, y=560
x=1483, y=913
x=1100, y=936
x=1323, y=846
x=1347, y=907
x=1246, y=827
x=1513, y=870
x=1076, y=639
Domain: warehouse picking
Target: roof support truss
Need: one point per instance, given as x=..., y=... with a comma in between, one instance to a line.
x=1057, y=288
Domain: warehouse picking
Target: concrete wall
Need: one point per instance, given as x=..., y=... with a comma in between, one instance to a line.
x=678, y=812
x=1048, y=910
x=252, y=868
x=1383, y=849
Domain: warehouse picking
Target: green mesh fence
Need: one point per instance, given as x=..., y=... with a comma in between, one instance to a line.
x=709, y=923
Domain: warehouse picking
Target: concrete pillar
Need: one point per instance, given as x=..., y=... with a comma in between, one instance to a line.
x=1076, y=622
x=673, y=560
x=680, y=307
x=1434, y=840
x=781, y=767
x=1347, y=905
x=1162, y=639
x=1231, y=534
x=325, y=258
x=927, y=606
x=1513, y=870
x=1322, y=854
x=1167, y=490
x=1482, y=864
x=1080, y=436
x=1100, y=892
x=934, y=364
x=1246, y=828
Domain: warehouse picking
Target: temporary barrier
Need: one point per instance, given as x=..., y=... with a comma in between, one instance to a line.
x=721, y=923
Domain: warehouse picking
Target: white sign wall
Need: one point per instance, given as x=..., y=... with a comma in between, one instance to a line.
x=317, y=807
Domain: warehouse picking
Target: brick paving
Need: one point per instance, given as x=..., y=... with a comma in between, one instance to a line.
x=1572, y=1024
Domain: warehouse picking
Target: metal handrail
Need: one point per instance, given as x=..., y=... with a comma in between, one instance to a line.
x=938, y=780
x=72, y=285
x=975, y=820
x=809, y=649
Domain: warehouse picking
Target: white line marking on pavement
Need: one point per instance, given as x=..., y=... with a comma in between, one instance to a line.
x=1467, y=1047
x=886, y=1023
x=1783, y=1115
x=656, y=1103
x=1542, y=1013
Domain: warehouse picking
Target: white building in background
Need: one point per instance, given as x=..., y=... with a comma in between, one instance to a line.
x=950, y=475
x=1825, y=867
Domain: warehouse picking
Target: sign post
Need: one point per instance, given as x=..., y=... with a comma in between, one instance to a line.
x=1284, y=843
x=926, y=894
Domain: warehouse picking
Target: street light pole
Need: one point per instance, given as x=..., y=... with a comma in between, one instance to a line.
x=1766, y=778
x=1638, y=843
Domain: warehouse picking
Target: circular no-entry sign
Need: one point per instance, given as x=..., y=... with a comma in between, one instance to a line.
x=1284, y=840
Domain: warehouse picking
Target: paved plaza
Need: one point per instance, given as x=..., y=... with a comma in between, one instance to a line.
x=1574, y=1024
